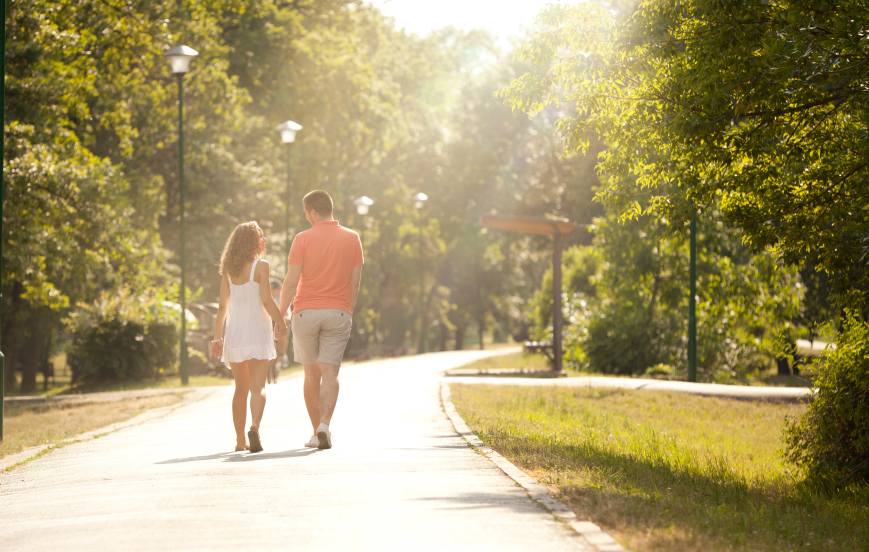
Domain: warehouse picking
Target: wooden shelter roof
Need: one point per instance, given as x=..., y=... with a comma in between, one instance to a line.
x=529, y=225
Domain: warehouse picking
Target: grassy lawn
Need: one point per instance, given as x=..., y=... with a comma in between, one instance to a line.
x=663, y=471
x=28, y=427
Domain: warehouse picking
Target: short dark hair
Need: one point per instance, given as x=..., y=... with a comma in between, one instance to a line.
x=276, y=283
x=319, y=201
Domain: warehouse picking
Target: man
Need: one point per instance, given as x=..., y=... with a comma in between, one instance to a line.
x=325, y=268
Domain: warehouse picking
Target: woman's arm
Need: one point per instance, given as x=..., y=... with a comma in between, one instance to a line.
x=217, y=344
x=265, y=294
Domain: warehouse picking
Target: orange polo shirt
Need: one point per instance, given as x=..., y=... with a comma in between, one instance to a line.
x=327, y=252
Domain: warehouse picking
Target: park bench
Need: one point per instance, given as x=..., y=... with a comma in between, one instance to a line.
x=544, y=347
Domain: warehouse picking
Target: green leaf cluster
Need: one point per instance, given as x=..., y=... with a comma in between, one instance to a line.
x=751, y=110
x=831, y=441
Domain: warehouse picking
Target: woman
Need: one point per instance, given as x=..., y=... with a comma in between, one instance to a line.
x=249, y=343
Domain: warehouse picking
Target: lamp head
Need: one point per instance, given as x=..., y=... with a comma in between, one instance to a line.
x=180, y=58
x=363, y=204
x=288, y=130
x=419, y=200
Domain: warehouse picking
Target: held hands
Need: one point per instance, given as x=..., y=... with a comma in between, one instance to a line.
x=217, y=348
x=280, y=330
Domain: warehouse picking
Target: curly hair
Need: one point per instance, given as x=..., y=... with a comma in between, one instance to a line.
x=241, y=248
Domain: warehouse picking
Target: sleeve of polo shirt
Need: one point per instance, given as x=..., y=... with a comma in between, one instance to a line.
x=297, y=251
x=358, y=260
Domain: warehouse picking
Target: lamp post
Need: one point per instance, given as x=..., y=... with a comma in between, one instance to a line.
x=288, y=130
x=180, y=58
x=419, y=200
x=363, y=204
x=692, y=304
x=2, y=142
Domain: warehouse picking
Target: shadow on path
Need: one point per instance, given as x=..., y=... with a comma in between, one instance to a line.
x=238, y=456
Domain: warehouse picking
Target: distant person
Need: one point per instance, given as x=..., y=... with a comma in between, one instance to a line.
x=249, y=344
x=276, y=365
x=325, y=267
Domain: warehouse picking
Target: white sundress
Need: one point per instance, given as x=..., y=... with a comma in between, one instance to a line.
x=249, y=332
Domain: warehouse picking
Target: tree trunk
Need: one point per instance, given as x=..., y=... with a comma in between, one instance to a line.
x=31, y=358
x=481, y=328
x=443, y=336
x=460, y=338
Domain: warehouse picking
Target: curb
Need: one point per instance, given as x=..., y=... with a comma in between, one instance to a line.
x=9, y=463
x=595, y=539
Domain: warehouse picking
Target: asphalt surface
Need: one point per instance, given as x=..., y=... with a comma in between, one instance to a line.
x=741, y=392
x=398, y=478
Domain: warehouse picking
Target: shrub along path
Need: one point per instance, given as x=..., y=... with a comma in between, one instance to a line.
x=398, y=478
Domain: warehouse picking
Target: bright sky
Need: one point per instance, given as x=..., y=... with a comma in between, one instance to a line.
x=503, y=18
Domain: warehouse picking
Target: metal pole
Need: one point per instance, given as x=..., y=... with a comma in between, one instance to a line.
x=287, y=218
x=692, y=306
x=184, y=367
x=2, y=181
x=422, y=339
x=557, y=356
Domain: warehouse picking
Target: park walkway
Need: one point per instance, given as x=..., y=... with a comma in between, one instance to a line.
x=742, y=392
x=398, y=478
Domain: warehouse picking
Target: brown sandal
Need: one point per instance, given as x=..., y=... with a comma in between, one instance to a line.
x=255, y=444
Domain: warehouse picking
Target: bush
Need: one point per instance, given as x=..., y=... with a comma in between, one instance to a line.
x=122, y=337
x=831, y=440
x=626, y=342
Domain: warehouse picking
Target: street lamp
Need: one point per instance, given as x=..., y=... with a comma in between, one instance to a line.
x=419, y=200
x=288, y=130
x=180, y=58
x=362, y=205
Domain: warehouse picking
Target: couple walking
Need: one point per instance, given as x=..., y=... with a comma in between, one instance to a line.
x=322, y=284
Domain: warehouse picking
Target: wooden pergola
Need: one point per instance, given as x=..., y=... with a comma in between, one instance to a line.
x=558, y=229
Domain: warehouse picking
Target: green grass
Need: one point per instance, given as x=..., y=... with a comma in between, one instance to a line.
x=29, y=427
x=663, y=471
x=173, y=382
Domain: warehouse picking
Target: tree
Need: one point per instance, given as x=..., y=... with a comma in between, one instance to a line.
x=750, y=109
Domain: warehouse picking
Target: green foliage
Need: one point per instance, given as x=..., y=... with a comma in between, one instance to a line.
x=631, y=312
x=580, y=264
x=94, y=198
x=122, y=336
x=831, y=441
x=750, y=109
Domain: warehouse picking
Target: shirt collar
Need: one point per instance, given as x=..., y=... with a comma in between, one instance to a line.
x=326, y=223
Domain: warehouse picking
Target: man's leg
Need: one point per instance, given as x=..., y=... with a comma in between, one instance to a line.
x=312, y=394
x=328, y=391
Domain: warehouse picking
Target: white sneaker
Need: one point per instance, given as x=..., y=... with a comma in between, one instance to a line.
x=313, y=442
x=324, y=437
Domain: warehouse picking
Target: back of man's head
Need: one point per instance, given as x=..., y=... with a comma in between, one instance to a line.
x=319, y=201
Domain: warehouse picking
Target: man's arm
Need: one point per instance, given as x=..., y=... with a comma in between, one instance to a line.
x=355, y=280
x=288, y=290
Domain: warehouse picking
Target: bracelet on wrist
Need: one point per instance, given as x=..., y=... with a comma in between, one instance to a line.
x=217, y=340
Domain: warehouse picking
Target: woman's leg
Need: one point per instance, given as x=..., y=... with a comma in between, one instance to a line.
x=239, y=401
x=258, y=372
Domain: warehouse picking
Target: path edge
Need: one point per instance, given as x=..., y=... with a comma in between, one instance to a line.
x=596, y=538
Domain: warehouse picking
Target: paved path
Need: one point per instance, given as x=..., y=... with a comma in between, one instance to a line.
x=398, y=478
x=744, y=392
